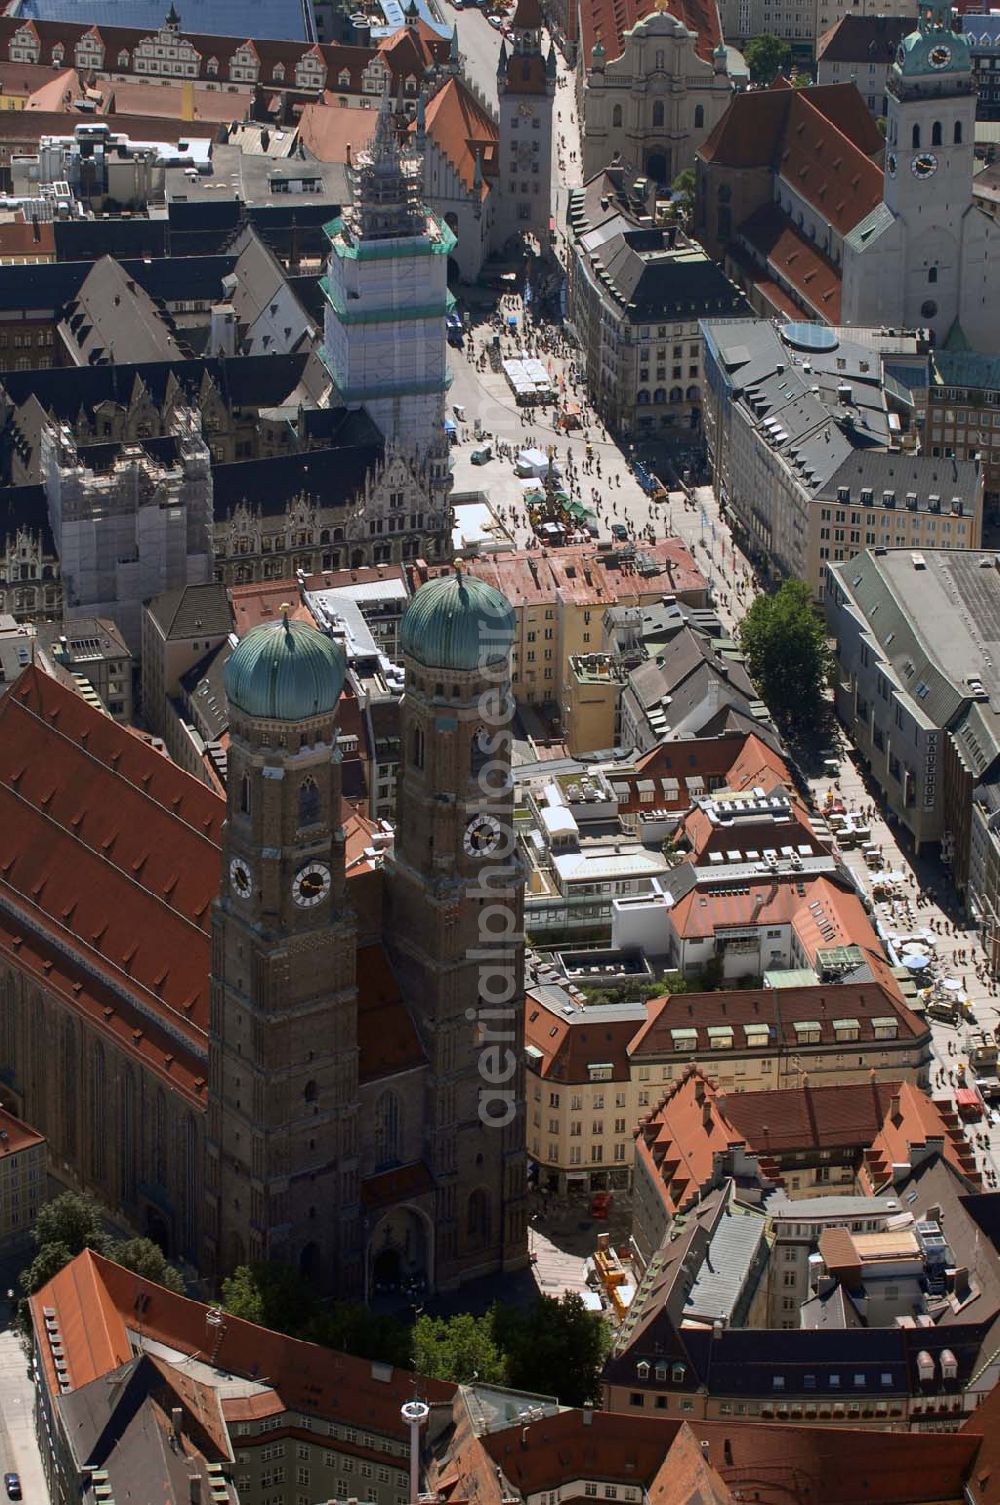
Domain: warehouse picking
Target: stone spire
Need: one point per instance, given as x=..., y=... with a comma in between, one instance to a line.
x=386, y=186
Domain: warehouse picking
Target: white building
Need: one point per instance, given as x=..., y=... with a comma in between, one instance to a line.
x=387, y=296
x=922, y=257
x=652, y=103
x=126, y=533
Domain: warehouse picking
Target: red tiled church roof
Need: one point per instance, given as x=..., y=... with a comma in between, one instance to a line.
x=607, y=21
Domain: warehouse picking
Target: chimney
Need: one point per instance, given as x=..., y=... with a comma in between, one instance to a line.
x=934, y=1214
x=175, y=1423
x=706, y=1114
x=588, y=1413
x=961, y=1282
x=699, y=1091
x=894, y=1112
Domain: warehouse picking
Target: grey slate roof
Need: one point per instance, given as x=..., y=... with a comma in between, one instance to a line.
x=113, y=318
x=192, y=610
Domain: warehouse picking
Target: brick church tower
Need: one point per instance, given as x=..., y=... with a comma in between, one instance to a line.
x=281, y=1173
x=455, y=915
x=526, y=85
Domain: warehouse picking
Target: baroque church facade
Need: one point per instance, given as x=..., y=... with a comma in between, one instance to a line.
x=259, y=1031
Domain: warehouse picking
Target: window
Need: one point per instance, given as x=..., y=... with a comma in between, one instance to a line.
x=958, y=133
x=916, y=137
x=936, y=133
x=245, y=794
x=657, y=113
x=616, y=115
x=309, y=803
x=387, y=1129
x=699, y=116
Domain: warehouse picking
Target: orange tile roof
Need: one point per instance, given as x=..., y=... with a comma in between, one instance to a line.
x=58, y=93
x=687, y=1475
x=771, y=1464
x=108, y=844
x=803, y=1118
x=19, y=239
x=387, y=1037
x=15, y=1135
x=822, y=163
x=681, y=1139
x=606, y=21
x=332, y=131
x=262, y=602
x=568, y=1047
x=96, y=1304
x=460, y=128
x=911, y=1121
x=758, y=767
x=789, y=255
x=91, y=1327
x=778, y=1009
x=755, y=128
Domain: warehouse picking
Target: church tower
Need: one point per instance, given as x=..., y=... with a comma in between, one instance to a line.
x=455, y=901
x=283, y=1051
x=930, y=142
x=387, y=297
x=526, y=85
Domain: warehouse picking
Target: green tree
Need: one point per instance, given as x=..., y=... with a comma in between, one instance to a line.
x=767, y=56
x=45, y=1266
x=787, y=655
x=73, y=1220
x=273, y=1294
x=353, y=1328
x=459, y=1348
x=147, y=1259
x=555, y=1345
x=685, y=186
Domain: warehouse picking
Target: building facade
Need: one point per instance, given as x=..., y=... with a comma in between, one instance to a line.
x=654, y=103
x=635, y=294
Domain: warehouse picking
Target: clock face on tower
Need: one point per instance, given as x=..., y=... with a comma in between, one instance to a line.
x=311, y=885
x=924, y=165
x=241, y=878
x=482, y=835
x=939, y=56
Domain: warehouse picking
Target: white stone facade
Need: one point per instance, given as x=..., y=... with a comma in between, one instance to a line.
x=655, y=104
x=125, y=534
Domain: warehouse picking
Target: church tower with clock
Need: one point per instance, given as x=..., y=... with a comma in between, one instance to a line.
x=281, y=1172
x=365, y=1075
x=455, y=916
x=526, y=85
x=922, y=258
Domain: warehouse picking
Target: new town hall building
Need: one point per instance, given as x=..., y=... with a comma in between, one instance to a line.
x=261, y=1031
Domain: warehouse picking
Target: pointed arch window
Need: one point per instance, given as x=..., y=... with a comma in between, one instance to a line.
x=477, y=1219
x=245, y=795
x=310, y=808
x=98, y=1114
x=915, y=139
x=417, y=747
x=958, y=133
x=386, y=1130
x=936, y=133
